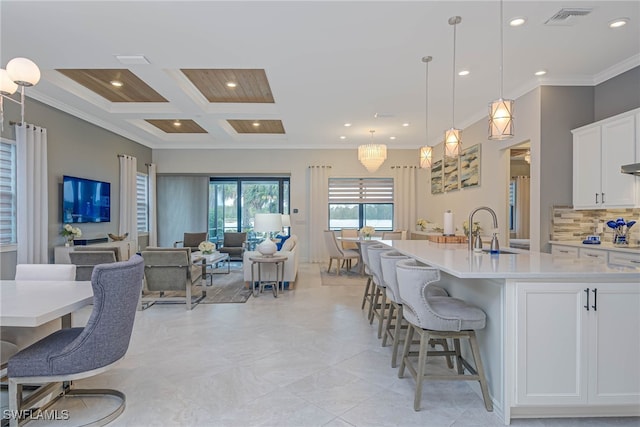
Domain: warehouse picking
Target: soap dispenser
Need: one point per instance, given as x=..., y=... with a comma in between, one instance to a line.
x=477, y=243
x=495, y=246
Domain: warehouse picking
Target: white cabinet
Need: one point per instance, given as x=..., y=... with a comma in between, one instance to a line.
x=577, y=344
x=599, y=150
x=564, y=251
x=594, y=254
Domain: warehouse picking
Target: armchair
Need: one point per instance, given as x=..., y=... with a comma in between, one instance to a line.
x=167, y=270
x=86, y=260
x=234, y=244
x=191, y=240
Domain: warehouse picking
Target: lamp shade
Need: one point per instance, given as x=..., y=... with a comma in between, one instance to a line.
x=372, y=156
x=426, y=155
x=501, y=119
x=23, y=71
x=286, y=220
x=267, y=222
x=452, y=142
x=7, y=86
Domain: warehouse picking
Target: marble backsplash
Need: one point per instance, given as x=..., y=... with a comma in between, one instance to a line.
x=572, y=225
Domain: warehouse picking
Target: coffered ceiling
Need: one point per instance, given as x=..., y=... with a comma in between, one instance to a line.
x=290, y=74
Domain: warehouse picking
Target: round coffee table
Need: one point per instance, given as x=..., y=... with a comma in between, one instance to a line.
x=279, y=264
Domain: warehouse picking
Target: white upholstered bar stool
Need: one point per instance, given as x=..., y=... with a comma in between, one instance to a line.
x=369, y=289
x=440, y=318
x=395, y=324
x=380, y=303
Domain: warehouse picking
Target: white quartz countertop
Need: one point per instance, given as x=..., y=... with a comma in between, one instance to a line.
x=631, y=249
x=457, y=260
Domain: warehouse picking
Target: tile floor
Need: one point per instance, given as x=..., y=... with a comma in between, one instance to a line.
x=307, y=358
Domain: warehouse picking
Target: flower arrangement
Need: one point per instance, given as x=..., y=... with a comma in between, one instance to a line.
x=422, y=223
x=70, y=232
x=367, y=231
x=476, y=227
x=206, y=247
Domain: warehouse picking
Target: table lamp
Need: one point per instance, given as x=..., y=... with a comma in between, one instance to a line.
x=286, y=220
x=267, y=223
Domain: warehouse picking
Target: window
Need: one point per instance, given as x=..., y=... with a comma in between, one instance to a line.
x=142, y=201
x=7, y=193
x=356, y=202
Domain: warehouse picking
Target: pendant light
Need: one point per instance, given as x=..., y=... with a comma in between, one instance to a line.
x=501, y=110
x=371, y=155
x=20, y=73
x=452, y=137
x=426, y=151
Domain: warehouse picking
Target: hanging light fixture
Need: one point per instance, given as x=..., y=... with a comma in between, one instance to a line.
x=371, y=155
x=452, y=137
x=501, y=110
x=426, y=151
x=20, y=72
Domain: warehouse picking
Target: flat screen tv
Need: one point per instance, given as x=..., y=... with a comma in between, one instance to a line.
x=85, y=200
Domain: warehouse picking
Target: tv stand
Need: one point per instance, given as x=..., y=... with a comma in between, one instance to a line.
x=61, y=253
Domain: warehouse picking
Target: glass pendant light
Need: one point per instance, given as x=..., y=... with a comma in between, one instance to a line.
x=426, y=151
x=501, y=110
x=452, y=137
x=371, y=155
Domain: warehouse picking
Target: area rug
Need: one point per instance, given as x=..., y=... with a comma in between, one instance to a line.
x=226, y=288
x=346, y=278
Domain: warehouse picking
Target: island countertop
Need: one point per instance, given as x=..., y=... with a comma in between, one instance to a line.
x=458, y=261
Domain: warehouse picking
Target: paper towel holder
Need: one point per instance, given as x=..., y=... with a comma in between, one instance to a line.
x=448, y=229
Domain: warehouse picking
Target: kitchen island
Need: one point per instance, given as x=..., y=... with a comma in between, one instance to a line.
x=562, y=337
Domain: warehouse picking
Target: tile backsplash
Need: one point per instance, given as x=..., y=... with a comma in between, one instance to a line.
x=571, y=225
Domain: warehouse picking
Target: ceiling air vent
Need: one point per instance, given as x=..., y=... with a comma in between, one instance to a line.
x=563, y=16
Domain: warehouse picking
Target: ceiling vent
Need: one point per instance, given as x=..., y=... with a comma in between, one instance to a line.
x=564, y=16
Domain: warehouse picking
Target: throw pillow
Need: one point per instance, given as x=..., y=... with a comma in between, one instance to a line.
x=281, y=242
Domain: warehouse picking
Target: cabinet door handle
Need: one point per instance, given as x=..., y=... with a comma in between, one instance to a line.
x=596, y=198
x=595, y=299
x=564, y=252
x=602, y=198
x=587, y=292
x=634, y=261
x=592, y=255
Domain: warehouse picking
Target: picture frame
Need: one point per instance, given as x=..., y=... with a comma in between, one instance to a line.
x=451, y=182
x=436, y=177
x=470, y=167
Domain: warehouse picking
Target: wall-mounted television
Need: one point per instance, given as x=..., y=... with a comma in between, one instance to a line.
x=85, y=200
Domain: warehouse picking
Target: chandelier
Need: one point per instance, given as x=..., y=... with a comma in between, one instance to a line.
x=371, y=155
x=426, y=152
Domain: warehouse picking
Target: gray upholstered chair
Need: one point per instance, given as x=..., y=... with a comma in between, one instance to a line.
x=191, y=240
x=95, y=248
x=437, y=317
x=336, y=252
x=234, y=244
x=86, y=260
x=380, y=303
x=369, y=289
x=170, y=270
x=74, y=353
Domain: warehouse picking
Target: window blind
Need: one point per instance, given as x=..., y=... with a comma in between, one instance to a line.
x=142, y=202
x=360, y=190
x=7, y=193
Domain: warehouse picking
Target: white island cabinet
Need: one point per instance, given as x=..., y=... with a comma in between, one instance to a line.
x=545, y=353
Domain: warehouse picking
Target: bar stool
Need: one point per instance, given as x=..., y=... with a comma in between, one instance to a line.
x=378, y=308
x=395, y=322
x=437, y=317
x=369, y=289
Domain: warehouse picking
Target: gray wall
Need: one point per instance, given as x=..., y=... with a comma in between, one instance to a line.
x=78, y=148
x=617, y=95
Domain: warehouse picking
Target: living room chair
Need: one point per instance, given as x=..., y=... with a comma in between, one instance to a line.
x=234, y=244
x=170, y=270
x=191, y=240
x=95, y=248
x=74, y=353
x=85, y=261
x=337, y=253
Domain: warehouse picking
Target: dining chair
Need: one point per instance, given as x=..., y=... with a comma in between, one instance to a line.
x=75, y=353
x=45, y=272
x=392, y=235
x=350, y=233
x=337, y=253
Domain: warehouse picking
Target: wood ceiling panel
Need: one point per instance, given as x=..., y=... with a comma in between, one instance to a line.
x=168, y=126
x=266, y=126
x=133, y=89
x=252, y=85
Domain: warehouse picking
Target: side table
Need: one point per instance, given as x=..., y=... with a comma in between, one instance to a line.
x=279, y=264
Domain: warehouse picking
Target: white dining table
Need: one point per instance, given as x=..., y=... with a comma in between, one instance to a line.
x=31, y=303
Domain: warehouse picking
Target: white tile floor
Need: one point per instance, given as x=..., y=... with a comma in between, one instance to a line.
x=307, y=358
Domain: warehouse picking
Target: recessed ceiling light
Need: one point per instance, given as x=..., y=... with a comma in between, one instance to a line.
x=177, y=123
x=406, y=124
x=617, y=23
x=392, y=137
x=541, y=72
x=116, y=83
x=343, y=137
x=516, y=22
x=255, y=124
x=347, y=125
x=232, y=84
x=463, y=72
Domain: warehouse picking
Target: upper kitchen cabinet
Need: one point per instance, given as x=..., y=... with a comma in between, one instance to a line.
x=599, y=149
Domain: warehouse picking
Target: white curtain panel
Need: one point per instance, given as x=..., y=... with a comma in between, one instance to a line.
x=404, y=195
x=32, y=195
x=153, y=205
x=318, y=213
x=128, y=202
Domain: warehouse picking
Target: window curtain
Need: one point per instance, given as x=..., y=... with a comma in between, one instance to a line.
x=522, y=207
x=404, y=199
x=32, y=225
x=153, y=204
x=318, y=212
x=128, y=198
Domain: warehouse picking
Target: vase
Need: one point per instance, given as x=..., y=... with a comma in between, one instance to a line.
x=69, y=241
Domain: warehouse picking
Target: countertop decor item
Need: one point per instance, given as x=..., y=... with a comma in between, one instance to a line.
x=69, y=233
x=117, y=238
x=620, y=230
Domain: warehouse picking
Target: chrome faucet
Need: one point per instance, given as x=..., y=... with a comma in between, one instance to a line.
x=494, y=241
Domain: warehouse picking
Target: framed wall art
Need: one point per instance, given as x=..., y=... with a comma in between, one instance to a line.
x=470, y=167
x=436, y=177
x=451, y=174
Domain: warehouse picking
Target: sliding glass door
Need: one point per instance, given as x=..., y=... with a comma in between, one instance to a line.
x=233, y=202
